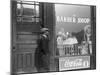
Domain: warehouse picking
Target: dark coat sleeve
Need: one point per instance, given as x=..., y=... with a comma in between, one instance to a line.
x=45, y=45
x=79, y=36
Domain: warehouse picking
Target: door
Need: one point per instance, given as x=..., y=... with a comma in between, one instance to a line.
x=25, y=32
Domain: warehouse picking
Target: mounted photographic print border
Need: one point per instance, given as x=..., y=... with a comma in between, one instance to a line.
x=52, y=37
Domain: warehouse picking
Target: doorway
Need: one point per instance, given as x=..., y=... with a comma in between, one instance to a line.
x=25, y=33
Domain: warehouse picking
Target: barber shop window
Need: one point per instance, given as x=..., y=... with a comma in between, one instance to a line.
x=73, y=30
x=27, y=11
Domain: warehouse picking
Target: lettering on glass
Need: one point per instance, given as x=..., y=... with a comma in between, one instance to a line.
x=76, y=62
x=72, y=19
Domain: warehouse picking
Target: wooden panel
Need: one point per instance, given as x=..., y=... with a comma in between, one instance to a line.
x=28, y=28
x=93, y=23
x=19, y=60
x=25, y=52
x=23, y=62
x=14, y=61
x=26, y=37
x=24, y=46
x=49, y=22
x=28, y=60
x=27, y=41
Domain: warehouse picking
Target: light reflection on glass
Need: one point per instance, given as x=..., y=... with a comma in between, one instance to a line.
x=37, y=11
x=37, y=19
x=18, y=9
x=28, y=10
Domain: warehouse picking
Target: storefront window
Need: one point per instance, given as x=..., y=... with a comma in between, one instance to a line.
x=73, y=30
x=73, y=36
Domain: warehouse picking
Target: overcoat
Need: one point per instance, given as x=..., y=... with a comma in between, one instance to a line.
x=42, y=55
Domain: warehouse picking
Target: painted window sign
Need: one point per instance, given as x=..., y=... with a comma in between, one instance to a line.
x=72, y=19
x=78, y=62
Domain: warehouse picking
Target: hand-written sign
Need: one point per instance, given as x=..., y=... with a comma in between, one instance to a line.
x=72, y=19
x=76, y=62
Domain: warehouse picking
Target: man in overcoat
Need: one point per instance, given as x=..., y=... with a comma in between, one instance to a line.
x=42, y=55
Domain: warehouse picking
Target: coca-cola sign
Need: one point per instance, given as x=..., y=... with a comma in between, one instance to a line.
x=76, y=62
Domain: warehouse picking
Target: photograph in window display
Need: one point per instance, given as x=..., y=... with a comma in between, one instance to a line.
x=72, y=43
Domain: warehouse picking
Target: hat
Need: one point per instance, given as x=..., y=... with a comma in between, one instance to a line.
x=44, y=29
x=86, y=27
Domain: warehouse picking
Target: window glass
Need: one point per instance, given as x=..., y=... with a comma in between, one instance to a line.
x=19, y=10
x=28, y=10
x=37, y=11
x=73, y=30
